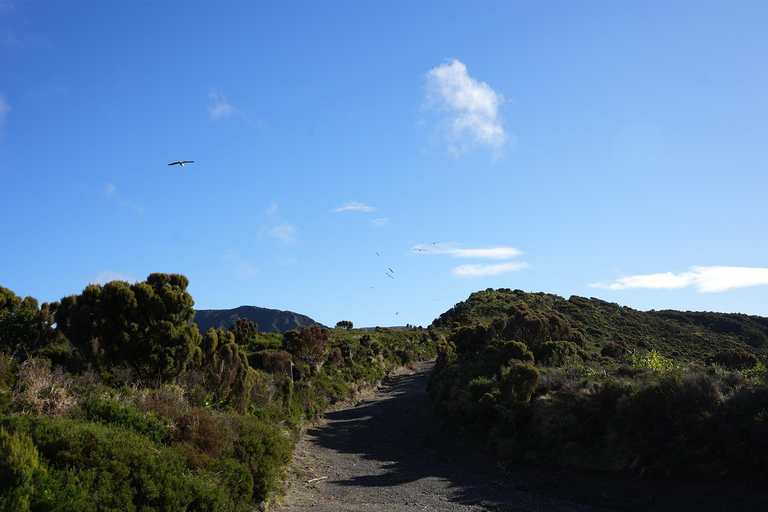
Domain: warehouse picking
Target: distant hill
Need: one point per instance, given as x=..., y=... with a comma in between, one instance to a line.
x=678, y=334
x=268, y=320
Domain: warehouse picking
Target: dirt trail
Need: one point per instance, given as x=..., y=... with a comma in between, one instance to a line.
x=387, y=454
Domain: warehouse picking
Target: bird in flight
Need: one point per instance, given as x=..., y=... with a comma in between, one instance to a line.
x=420, y=250
x=390, y=269
x=182, y=162
x=390, y=275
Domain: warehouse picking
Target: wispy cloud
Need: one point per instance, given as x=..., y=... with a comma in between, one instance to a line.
x=285, y=232
x=471, y=108
x=4, y=109
x=704, y=279
x=475, y=270
x=219, y=107
x=494, y=253
x=279, y=229
x=271, y=210
x=110, y=275
x=110, y=191
x=488, y=270
x=354, y=206
x=380, y=222
x=243, y=267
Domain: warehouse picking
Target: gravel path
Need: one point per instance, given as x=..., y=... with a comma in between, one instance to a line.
x=387, y=454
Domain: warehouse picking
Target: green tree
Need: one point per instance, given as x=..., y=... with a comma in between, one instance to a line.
x=22, y=322
x=244, y=331
x=144, y=325
x=345, y=324
x=225, y=366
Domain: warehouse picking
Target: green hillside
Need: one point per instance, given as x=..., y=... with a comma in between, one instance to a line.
x=681, y=335
x=588, y=383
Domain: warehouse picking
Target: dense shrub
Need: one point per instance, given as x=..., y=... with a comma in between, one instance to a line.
x=266, y=450
x=20, y=471
x=556, y=353
x=643, y=402
x=518, y=381
x=736, y=359
x=115, y=413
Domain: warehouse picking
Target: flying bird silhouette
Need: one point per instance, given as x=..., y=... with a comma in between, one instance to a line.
x=420, y=250
x=390, y=276
x=182, y=162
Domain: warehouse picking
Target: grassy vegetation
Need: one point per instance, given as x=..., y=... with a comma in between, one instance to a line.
x=85, y=427
x=586, y=383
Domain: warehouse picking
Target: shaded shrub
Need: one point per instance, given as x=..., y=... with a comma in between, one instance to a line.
x=556, y=353
x=517, y=382
x=335, y=358
x=614, y=350
x=734, y=359
x=480, y=386
x=514, y=350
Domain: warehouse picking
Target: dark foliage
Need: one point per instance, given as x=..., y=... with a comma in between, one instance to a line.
x=612, y=388
x=144, y=325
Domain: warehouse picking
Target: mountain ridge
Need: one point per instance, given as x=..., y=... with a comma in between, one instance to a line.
x=269, y=320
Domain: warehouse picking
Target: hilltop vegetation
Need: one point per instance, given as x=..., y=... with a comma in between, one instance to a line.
x=587, y=383
x=112, y=400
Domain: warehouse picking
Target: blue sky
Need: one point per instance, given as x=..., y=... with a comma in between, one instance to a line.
x=603, y=149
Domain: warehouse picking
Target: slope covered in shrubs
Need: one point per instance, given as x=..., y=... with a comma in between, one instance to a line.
x=111, y=400
x=587, y=383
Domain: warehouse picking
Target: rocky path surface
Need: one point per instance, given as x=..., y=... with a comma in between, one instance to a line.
x=387, y=454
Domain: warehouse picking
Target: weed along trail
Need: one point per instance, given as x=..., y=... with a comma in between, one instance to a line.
x=385, y=454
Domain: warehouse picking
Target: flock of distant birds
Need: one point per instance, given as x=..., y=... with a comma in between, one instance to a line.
x=391, y=272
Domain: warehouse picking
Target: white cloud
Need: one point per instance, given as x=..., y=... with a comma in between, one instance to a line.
x=704, y=279
x=110, y=275
x=4, y=109
x=494, y=253
x=381, y=222
x=285, y=232
x=242, y=266
x=219, y=107
x=354, y=206
x=110, y=189
x=476, y=270
x=278, y=228
x=471, y=108
x=488, y=270
x=271, y=210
